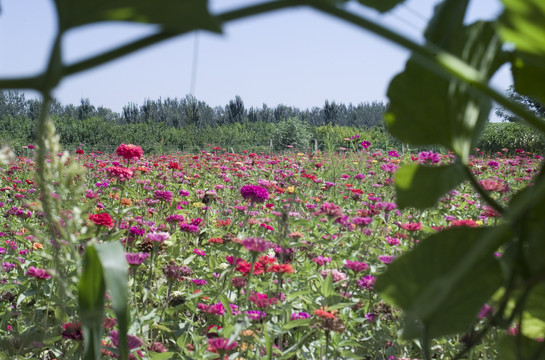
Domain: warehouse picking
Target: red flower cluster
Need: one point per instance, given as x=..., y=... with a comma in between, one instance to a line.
x=103, y=219
x=129, y=152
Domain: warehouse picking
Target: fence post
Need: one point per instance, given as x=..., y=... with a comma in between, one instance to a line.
x=315, y=145
x=271, y=145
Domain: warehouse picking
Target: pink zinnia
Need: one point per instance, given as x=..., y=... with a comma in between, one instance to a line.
x=411, y=226
x=129, y=152
x=336, y=275
x=330, y=210
x=37, y=273
x=356, y=266
x=120, y=173
x=222, y=344
x=258, y=245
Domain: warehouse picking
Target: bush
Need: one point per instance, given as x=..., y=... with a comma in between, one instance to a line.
x=291, y=132
x=506, y=135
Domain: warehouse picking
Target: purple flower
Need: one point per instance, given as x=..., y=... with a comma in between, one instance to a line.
x=133, y=341
x=136, y=258
x=365, y=144
x=299, y=316
x=174, y=218
x=189, y=228
x=361, y=221
x=254, y=193
x=371, y=317
x=198, y=282
x=158, y=236
x=257, y=245
x=163, y=195
x=184, y=192
x=366, y=282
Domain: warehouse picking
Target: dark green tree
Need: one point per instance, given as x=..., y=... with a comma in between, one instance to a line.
x=528, y=102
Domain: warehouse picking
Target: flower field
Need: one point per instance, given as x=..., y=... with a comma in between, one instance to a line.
x=239, y=256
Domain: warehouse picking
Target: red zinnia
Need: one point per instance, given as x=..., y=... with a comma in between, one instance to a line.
x=129, y=152
x=103, y=219
x=411, y=226
x=324, y=314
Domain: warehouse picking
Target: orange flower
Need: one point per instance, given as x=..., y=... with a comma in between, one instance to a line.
x=324, y=314
x=37, y=246
x=126, y=202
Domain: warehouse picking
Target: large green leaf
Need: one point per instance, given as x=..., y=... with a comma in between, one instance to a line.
x=421, y=186
x=426, y=108
x=381, y=5
x=175, y=15
x=444, y=281
x=507, y=346
x=116, y=276
x=91, y=291
x=523, y=24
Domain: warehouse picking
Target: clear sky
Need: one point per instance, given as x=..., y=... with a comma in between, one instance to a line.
x=297, y=57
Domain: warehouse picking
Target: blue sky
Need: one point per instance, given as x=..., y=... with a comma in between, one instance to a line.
x=298, y=57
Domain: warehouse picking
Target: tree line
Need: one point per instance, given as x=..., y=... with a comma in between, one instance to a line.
x=189, y=111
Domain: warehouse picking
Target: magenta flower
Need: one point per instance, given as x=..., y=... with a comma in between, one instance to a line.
x=222, y=344
x=386, y=259
x=365, y=144
x=257, y=245
x=199, y=252
x=37, y=273
x=356, y=266
x=163, y=195
x=299, y=316
x=254, y=193
x=255, y=314
x=366, y=282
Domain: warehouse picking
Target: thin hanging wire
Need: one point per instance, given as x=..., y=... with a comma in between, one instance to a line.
x=193, y=82
x=414, y=12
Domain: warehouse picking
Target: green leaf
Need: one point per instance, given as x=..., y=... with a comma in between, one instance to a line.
x=444, y=281
x=116, y=277
x=507, y=346
x=523, y=24
x=295, y=323
x=454, y=115
x=327, y=286
x=529, y=75
x=161, y=356
x=91, y=292
x=421, y=186
x=381, y=5
x=176, y=15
